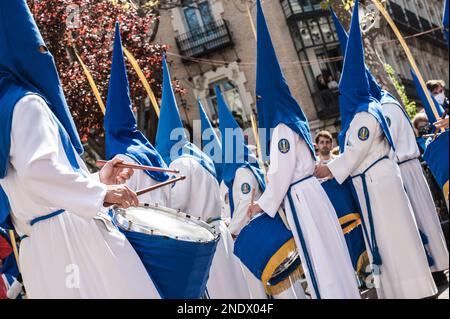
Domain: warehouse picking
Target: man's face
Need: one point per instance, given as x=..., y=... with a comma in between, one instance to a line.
x=325, y=145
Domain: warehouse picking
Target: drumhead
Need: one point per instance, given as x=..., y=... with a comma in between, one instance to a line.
x=163, y=221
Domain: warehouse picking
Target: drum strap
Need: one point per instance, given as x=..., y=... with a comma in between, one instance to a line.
x=372, y=240
x=301, y=237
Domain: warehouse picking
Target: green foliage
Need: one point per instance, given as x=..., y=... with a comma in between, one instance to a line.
x=410, y=106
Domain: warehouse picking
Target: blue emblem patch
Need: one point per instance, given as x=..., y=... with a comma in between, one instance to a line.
x=363, y=133
x=246, y=188
x=388, y=120
x=284, y=146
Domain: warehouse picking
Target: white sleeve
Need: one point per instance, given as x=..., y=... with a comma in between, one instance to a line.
x=393, y=116
x=34, y=155
x=281, y=169
x=356, y=149
x=180, y=192
x=244, y=183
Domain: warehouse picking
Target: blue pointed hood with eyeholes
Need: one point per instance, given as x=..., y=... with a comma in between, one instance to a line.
x=354, y=86
x=121, y=133
x=210, y=141
x=235, y=153
x=24, y=70
x=445, y=22
x=171, y=139
x=422, y=95
x=275, y=103
x=375, y=88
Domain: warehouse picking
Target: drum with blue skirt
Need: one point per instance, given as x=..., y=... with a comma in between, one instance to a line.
x=176, y=249
x=267, y=248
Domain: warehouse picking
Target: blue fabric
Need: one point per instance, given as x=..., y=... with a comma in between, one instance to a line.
x=248, y=247
x=422, y=95
x=171, y=140
x=45, y=217
x=275, y=102
x=445, y=21
x=24, y=69
x=375, y=88
x=344, y=203
x=303, y=247
x=437, y=158
x=235, y=154
x=210, y=141
x=179, y=269
x=388, y=98
x=121, y=133
x=354, y=86
x=5, y=220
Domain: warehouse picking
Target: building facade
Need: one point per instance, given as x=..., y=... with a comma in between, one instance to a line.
x=212, y=43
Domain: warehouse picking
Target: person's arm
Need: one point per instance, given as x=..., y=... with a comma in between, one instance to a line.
x=282, y=166
x=356, y=148
x=244, y=184
x=34, y=155
x=180, y=192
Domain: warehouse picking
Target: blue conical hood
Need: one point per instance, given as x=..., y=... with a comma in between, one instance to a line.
x=354, y=86
x=171, y=139
x=235, y=153
x=25, y=70
x=121, y=133
x=211, y=143
x=275, y=102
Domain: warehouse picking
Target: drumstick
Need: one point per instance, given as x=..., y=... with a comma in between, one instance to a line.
x=142, y=167
x=252, y=200
x=154, y=187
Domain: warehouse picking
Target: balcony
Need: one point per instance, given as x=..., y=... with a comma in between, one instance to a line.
x=397, y=14
x=205, y=40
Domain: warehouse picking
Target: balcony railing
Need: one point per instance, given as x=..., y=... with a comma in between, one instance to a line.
x=205, y=40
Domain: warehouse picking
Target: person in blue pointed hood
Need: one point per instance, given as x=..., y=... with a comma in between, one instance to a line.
x=394, y=242
x=241, y=171
x=291, y=183
x=122, y=137
x=199, y=194
x=53, y=199
x=211, y=144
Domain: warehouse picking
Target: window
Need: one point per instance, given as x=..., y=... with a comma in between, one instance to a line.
x=231, y=94
x=198, y=17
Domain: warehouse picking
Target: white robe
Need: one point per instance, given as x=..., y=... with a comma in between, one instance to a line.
x=224, y=200
x=404, y=270
x=419, y=194
x=199, y=196
x=240, y=219
x=70, y=255
x=140, y=180
x=321, y=230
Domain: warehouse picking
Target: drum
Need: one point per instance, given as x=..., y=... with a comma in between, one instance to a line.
x=176, y=249
x=267, y=248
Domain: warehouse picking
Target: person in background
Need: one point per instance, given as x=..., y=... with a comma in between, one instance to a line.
x=324, y=142
x=421, y=127
x=437, y=88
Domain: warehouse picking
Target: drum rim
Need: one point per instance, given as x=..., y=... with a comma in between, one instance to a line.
x=122, y=222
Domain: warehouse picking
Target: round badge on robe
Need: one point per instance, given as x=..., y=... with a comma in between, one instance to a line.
x=246, y=188
x=284, y=146
x=363, y=133
x=388, y=120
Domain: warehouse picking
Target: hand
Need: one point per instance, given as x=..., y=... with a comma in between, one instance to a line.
x=253, y=210
x=112, y=175
x=442, y=123
x=120, y=195
x=322, y=171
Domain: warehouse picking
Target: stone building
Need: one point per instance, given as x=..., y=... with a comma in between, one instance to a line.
x=212, y=43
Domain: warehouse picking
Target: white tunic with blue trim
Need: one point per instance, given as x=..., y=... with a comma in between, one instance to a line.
x=199, y=195
x=419, y=194
x=404, y=270
x=291, y=161
x=70, y=255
